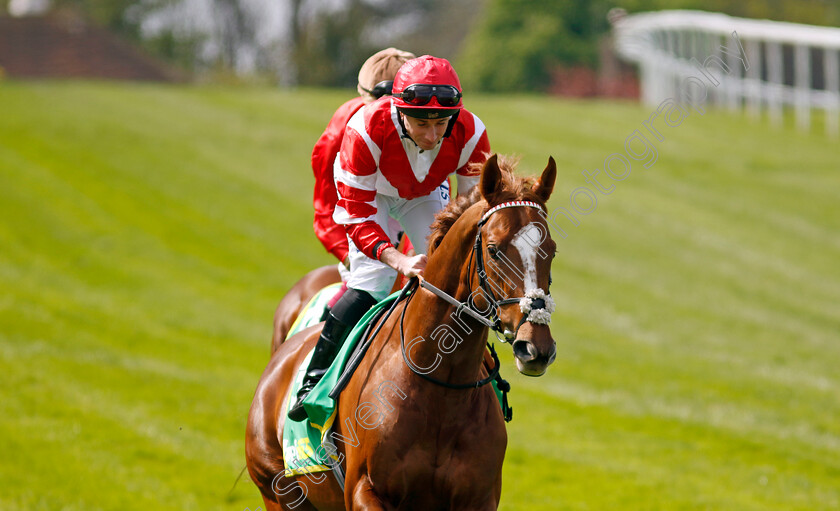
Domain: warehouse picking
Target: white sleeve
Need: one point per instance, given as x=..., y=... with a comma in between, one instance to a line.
x=466, y=183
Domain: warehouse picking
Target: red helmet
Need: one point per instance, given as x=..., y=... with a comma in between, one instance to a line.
x=428, y=88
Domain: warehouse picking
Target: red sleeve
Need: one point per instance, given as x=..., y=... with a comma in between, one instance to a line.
x=366, y=236
x=355, y=178
x=331, y=235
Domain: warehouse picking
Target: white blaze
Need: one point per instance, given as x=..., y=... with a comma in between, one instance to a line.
x=524, y=243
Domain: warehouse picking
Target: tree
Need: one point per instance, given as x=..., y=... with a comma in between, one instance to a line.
x=519, y=42
x=299, y=41
x=205, y=34
x=310, y=42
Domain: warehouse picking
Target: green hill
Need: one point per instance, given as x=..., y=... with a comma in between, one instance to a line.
x=147, y=233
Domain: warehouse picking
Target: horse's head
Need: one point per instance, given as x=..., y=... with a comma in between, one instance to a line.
x=513, y=253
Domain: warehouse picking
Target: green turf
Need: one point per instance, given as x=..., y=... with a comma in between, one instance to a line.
x=147, y=233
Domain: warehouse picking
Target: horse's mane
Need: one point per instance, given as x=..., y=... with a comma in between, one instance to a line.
x=513, y=188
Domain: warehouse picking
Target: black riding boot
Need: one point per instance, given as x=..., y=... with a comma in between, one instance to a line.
x=344, y=315
x=332, y=337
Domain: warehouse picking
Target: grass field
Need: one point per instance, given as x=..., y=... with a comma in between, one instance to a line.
x=147, y=233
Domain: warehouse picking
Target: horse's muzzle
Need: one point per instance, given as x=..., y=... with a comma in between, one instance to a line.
x=534, y=350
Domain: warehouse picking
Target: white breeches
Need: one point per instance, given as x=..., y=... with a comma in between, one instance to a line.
x=415, y=216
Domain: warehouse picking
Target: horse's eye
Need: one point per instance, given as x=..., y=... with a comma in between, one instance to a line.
x=493, y=251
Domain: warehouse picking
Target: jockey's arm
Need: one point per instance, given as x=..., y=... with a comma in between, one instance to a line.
x=466, y=183
x=410, y=266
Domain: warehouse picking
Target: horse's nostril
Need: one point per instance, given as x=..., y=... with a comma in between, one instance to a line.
x=524, y=351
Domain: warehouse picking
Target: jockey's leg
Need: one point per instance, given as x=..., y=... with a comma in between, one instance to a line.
x=344, y=315
x=368, y=282
x=333, y=301
x=344, y=272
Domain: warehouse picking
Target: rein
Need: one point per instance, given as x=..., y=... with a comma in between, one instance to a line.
x=367, y=339
x=494, y=374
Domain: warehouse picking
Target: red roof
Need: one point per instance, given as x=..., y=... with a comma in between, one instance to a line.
x=56, y=46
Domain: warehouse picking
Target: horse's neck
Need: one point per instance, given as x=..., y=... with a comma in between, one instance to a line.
x=451, y=343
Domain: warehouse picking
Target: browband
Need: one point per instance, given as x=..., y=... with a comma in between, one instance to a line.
x=511, y=204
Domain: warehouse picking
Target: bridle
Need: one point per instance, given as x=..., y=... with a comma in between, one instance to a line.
x=533, y=300
x=536, y=305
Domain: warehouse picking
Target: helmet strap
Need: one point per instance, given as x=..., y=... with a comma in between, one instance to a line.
x=402, y=127
x=452, y=120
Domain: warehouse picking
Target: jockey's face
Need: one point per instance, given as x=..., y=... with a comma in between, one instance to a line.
x=426, y=133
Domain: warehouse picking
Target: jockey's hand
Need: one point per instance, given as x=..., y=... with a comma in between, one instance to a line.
x=346, y=261
x=414, y=265
x=409, y=266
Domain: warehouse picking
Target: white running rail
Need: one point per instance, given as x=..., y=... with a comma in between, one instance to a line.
x=753, y=64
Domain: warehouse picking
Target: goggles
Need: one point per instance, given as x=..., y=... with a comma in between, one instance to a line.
x=380, y=89
x=420, y=94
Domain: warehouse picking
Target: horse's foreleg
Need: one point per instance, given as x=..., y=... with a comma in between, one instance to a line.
x=364, y=498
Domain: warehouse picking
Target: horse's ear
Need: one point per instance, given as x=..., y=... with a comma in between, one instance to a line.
x=491, y=178
x=545, y=185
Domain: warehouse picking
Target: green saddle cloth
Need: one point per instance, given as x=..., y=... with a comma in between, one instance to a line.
x=303, y=442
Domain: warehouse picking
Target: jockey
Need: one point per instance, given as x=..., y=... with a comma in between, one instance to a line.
x=394, y=162
x=375, y=80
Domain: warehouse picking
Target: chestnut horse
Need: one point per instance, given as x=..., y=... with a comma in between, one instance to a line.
x=438, y=440
x=297, y=297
